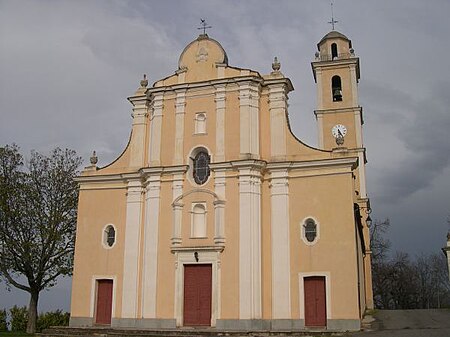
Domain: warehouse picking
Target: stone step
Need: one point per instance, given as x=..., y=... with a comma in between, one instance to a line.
x=185, y=332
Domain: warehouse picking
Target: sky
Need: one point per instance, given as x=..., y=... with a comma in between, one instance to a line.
x=67, y=67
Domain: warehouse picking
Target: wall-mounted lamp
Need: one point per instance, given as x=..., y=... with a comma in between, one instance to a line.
x=369, y=221
x=368, y=210
x=196, y=256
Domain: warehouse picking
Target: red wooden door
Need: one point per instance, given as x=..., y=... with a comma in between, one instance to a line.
x=197, y=295
x=315, y=301
x=104, y=302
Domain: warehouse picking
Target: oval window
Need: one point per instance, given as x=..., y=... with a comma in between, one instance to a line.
x=110, y=236
x=310, y=230
x=201, y=167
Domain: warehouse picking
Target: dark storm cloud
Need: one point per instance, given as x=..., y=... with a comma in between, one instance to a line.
x=421, y=128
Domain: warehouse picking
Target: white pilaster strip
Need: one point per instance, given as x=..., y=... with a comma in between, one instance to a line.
x=320, y=129
x=278, y=124
x=177, y=190
x=320, y=89
x=249, y=121
x=131, y=250
x=140, y=119
x=362, y=176
x=219, y=155
x=152, y=199
x=354, y=82
x=279, y=193
x=180, y=105
x=219, y=206
x=249, y=244
x=155, y=130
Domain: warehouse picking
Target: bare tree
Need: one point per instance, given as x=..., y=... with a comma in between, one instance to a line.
x=38, y=206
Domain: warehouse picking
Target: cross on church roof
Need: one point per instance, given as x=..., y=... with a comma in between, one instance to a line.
x=204, y=26
x=333, y=21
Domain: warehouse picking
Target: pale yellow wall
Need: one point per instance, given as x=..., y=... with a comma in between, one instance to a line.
x=195, y=105
x=328, y=199
x=342, y=46
x=264, y=126
x=97, y=208
x=327, y=96
x=347, y=119
x=230, y=255
x=166, y=260
x=168, y=132
x=232, y=130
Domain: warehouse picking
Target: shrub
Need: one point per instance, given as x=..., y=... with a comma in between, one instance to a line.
x=19, y=318
x=52, y=318
x=3, y=320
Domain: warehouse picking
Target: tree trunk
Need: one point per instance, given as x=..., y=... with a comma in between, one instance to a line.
x=32, y=312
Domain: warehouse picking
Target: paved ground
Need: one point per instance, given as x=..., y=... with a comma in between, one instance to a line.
x=408, y=323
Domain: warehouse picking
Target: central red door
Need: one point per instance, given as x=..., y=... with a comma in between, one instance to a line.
x=104, y=302
x=315, y=301
x=197, y=295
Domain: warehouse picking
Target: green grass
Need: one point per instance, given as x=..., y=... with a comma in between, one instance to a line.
x=14, y=334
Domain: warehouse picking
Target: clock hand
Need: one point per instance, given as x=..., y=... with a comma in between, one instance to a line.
x=340, y=133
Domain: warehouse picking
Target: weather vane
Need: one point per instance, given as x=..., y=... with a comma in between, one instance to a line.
x=333, y=21
x=204, y=26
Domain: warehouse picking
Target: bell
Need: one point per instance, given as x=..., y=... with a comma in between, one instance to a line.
x=337, y=95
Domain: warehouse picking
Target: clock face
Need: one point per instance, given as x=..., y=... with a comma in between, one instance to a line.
x=339, y=130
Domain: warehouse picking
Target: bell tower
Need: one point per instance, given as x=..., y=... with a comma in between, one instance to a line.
x=340, y=119
x=339, y=116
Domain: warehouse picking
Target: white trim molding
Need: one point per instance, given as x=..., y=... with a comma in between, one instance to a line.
x=105, y=236
x=220, y=100
x=301, y=285
x=278, y=122
x=93, y=297
x=156, y=129
x=302, y=231
x=180, y=105
x=281, y=269
x=151, y=229
x=250, y=302
x=132, y=249
x=249, y=120
x=205, y=255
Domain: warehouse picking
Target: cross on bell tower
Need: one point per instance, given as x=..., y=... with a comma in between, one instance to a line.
x=204, y=26
x=333, y=21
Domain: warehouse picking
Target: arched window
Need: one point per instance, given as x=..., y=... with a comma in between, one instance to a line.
x=336, y=88
x=198, y=227
x=109, y=236
x=201, y=167
x=310, y=230
x=200, y=123
x=334, y=51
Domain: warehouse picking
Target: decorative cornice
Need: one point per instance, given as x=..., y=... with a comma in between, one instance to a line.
x=141, y=174
x=217, y=248
x=351, y=162
x=356, y=109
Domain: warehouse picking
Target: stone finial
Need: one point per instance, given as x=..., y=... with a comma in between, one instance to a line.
x=93, y=159
x=144, y=82
x=276, y=65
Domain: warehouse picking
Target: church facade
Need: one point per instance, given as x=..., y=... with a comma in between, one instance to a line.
x=216, y=215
